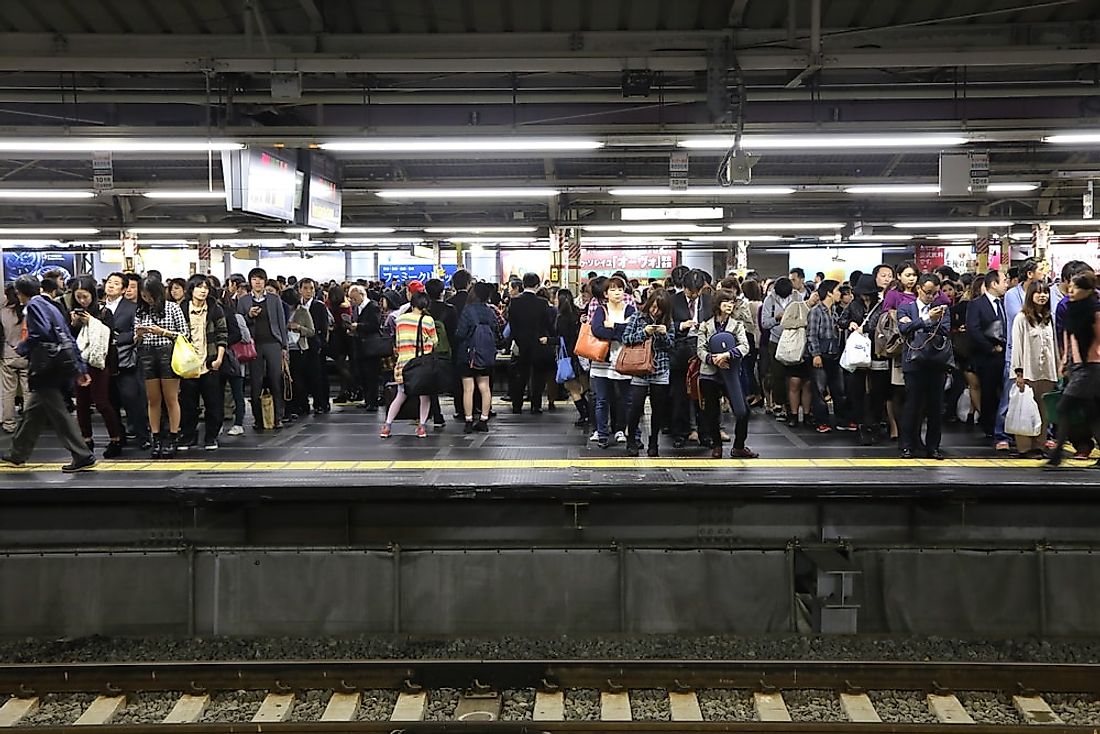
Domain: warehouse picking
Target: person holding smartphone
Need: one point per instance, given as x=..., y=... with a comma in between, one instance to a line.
x=266, y=320
x=925, y=324
x=159, y=321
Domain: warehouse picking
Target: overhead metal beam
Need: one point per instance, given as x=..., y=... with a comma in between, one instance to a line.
x=737, y=13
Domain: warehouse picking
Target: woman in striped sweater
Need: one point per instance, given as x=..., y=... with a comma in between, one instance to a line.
x=413, y=326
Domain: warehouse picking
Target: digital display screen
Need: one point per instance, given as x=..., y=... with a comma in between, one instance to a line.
x=35, y=262
x=261, y=181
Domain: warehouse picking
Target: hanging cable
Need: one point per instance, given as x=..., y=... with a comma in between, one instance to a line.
x=739, y=124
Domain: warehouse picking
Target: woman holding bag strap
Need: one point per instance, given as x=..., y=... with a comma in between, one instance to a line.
x=608, y=321
x=653, y=323
x=414, y=335
x=158, y=323
x=1034, y=359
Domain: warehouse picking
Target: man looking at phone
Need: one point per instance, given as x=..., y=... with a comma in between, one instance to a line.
x=925, y=326
x=267, y=322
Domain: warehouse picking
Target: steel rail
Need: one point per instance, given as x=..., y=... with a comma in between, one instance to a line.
x=674, y=675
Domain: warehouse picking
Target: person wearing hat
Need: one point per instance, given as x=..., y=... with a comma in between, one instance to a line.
x=868, y=388
x=722, y=345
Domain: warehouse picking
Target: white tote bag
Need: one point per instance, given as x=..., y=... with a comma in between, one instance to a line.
x=1023, y=417
x=857, y=352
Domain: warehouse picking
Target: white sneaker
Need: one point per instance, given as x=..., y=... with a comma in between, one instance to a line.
x=620, y=437
x=235, y=431
x=595, y=436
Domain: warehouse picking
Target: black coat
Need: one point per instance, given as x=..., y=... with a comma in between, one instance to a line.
x=981, y=320
x=321, y=320
x=530, y=319
x=124, y=333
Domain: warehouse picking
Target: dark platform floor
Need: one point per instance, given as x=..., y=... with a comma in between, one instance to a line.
x=546, y=456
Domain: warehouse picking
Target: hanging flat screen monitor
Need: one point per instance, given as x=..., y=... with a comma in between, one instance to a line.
x=261, y=181
x=322, y=200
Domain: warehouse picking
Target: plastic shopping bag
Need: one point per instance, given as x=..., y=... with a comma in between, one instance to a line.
x=1023, y=413
x=186, y=361
x=857, y=352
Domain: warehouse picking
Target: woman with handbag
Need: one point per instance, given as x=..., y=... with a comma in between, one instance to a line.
x=567, y=326
x=1081, y=362
x=1034, y=359
x=647, y=342
x=771, y=331
x=867, y=387
x=157, y=324
x=925, y=326
x=612, y=389
x=239, y=340
x=718, y=376
x=209, y=336
x=414, y=336
x=89, y=320
x=339, y=342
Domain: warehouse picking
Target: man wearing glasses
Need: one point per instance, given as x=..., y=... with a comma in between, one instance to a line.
x=926, y=328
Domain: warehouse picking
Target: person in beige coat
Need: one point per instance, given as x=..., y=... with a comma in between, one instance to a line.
x=1034, y=358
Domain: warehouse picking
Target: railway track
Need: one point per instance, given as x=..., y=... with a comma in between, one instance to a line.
x=550, y=696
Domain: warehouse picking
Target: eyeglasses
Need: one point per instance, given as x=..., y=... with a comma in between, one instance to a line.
x=930, y=294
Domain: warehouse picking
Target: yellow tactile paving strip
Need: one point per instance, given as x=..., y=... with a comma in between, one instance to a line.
x=467, y=464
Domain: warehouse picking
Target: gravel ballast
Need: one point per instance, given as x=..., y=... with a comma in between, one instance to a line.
x=58, y=709
x=813, y=705
x=146, y=708
x=990, y=708
x=897, y=707
x=309, y=705
x=582, y=704
x=1075, y=710
x=517, y=705
x=648, y=704
x=233, y=706
x=442, y=703
x=376, y=705
x=778, y=647
x=720, y=704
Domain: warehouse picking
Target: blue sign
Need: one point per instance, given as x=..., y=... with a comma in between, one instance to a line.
x=404, y=272
x=37, y=263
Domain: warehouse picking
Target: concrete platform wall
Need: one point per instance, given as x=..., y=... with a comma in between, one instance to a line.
x=264, y=591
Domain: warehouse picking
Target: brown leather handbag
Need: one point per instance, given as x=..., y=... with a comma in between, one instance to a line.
x=589, y=347
x=636, y=360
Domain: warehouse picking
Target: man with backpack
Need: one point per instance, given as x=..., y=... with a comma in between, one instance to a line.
x=54, y=363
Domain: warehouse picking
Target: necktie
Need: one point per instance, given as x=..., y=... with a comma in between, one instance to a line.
x=1001, y=317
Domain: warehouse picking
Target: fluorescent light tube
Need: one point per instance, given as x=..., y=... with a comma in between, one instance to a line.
x=1072, y=222
x=742, y=238
x=184, y=195
x=516, y=193
x=479, y=230
x=822, y=140
x=367, y=230
x=44, y=194
x=414, y=240
x=462, y=145
x=1071, y=138
x=882, y=237
x=492, y=240
x=114, y=145
x=730, y=191
x=644, y=228
x=1003, y=187
x=634, y=214
x=182, y=230
x=954, y=223
x=77, y=231
x=784, y=226
x=894, y=189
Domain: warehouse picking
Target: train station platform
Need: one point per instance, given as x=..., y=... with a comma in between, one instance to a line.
x=544, y=456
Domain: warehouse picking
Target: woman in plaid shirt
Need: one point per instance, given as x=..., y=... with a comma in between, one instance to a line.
x=157, y=324
x=652, y=321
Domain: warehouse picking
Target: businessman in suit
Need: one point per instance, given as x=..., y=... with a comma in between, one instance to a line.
x=987, y=326
x=925, y=324
x=315, y=356
x=267, y=322
x=690, y=308
x=130, y=381
x=532, y=326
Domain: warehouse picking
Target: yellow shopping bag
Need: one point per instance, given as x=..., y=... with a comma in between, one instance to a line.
x=186, y=361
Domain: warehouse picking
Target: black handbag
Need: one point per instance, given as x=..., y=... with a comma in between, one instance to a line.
x=52, y=362
x=934, y=350
x=377, y=345
x=425, y=374
x=683, y=351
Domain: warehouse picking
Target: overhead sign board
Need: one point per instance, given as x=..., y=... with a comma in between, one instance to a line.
x=321, y=202
x=261, y=181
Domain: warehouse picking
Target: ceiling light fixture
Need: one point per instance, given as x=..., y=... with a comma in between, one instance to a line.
x=784, y=226
x=462, y=145
x=412, y=239
x=1072, y=138
x=931, y=188
x=822, y=140
x=722, y=191
x=494, y=240
x=367, y=230
x=45, y=194
x=516, y=193
x=63, y=231
x=479, y=230
x=1072, y=222
x=645, y=228
x=182, y=230
x=634, y=214
x=882, y=237
x=184, y=195
x=954, y=223
x=114, y=145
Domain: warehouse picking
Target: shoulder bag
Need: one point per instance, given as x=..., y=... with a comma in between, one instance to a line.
x=425, y=374
x=636, y=360
x=589, y=347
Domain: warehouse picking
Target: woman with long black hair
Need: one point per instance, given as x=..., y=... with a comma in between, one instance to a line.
x=157, y=324
x=568, y=327
x=653, y=323
x=88, y=314
x=339, y=342
x=209, y=335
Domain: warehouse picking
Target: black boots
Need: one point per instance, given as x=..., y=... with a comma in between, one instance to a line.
x=582, y=408
x=652, y=450
x=157, y=449
x=164, y=449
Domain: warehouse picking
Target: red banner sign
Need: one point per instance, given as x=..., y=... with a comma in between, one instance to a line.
x=635, y=263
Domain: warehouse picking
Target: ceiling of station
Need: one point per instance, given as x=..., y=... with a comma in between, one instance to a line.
x=300, y=72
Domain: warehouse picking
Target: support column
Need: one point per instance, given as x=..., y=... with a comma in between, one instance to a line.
x=202, y=267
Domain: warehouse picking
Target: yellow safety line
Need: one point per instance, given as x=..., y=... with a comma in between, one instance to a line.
x=489, y=464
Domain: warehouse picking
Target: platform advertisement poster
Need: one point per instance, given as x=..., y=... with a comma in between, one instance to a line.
x=1063, y=252
x=516, y=263
x=642, y=264
x=404, y=272
x=837, y=263
x=36, y=262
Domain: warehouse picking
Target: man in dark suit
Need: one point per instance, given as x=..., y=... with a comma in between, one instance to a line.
x=532, y=326
x=461, y=282
x=927, y=326
x=366, y=322
x=318, y=345
x=690, y=307
x=987, y=326
x=267, y=322
x=130, y=381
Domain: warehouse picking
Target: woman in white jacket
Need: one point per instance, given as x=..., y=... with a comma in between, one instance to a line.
x=1034, y=358
x=92, y=327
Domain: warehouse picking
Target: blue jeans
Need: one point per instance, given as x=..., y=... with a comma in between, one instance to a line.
x=236, y=387
x=612, y=404
x=1002, y=407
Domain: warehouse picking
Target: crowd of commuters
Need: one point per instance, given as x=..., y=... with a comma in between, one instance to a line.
x=888, y=355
